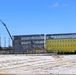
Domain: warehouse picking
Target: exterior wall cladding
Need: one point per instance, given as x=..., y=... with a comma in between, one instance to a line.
x=23, y=43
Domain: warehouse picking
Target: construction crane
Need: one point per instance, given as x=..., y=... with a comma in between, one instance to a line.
x=6, y=29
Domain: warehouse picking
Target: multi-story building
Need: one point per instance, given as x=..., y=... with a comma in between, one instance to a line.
x=22, y=43
x=51, y=42
x=61, y=42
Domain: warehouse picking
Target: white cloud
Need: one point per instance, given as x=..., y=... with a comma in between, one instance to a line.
x=55, y=5
x=59, y=5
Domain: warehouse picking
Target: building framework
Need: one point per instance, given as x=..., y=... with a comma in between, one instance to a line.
x=23, y=43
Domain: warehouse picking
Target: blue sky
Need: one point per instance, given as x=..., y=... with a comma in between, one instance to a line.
x=37, y=17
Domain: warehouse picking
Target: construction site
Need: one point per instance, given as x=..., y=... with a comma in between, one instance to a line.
x=39, y=54
x=64, y=43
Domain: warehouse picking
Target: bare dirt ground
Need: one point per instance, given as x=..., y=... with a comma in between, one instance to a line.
x=22, y=64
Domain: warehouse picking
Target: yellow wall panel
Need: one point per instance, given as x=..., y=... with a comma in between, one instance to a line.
x=65, y=45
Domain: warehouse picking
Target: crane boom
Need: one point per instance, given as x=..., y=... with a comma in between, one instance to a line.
x=6, y=29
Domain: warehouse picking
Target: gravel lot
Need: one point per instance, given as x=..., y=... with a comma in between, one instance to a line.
x=22, y=64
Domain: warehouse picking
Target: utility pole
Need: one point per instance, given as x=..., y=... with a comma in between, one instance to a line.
x=9, y=42
x=4, y=42
x=0, y=40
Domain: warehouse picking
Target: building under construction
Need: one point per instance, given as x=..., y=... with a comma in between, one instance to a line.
x=23, y=43
x=61, y=42
x=51, y=42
